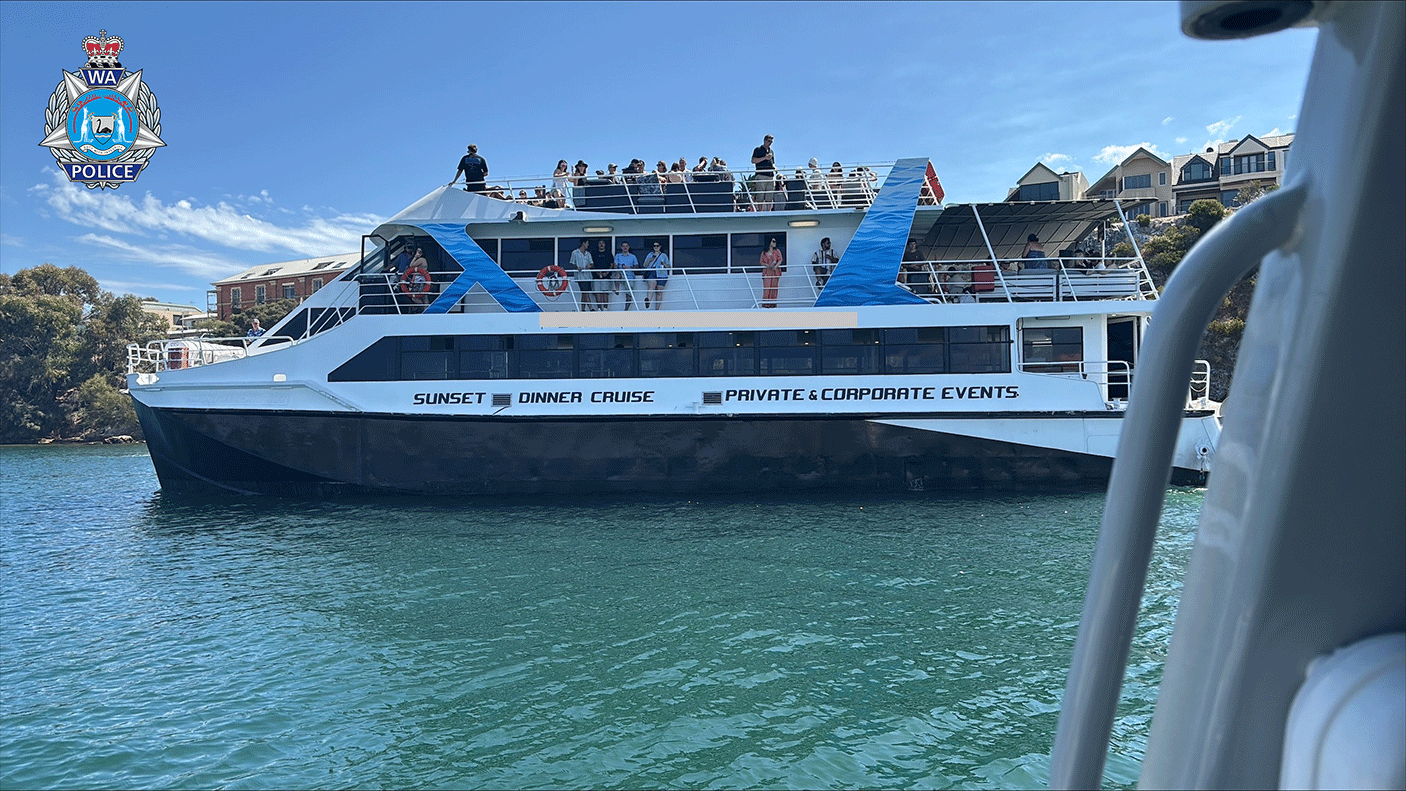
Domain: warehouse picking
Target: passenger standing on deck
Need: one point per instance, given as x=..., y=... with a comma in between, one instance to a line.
x=625, y=263
x=656, y=274
x=254, y=329
x=474, y=168
x=561, y=176
x=601, y=262
x=1034, y=253
x=580, y=266
x=918, y=278
x=765, y=181
x=823, y=262
x=773, y=264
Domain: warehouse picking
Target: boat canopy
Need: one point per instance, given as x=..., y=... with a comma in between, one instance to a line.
x=961, y=232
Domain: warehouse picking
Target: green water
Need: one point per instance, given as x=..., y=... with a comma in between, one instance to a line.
x=788, y=642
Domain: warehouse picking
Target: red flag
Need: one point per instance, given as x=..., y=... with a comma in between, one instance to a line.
x=934, y=186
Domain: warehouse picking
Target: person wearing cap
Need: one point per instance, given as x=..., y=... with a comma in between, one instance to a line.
x=613, y=173
x=474, y=168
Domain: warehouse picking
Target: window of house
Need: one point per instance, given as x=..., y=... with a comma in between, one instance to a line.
x=1137, y=182
x=1046, y=191
x=1270, y=156
x=1250, y=163
x=1196, y=171
x=236, y=301
x=316, y=283
x=1162, y=179
x=1162, y=209
x=260, y=295
x=290, y=291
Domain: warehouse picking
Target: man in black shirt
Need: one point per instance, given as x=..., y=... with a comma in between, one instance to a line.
x=474, y=168
x=602, y=262
x=765, y=163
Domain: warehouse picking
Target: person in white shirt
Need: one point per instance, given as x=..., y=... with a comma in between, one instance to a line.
x=580, y=266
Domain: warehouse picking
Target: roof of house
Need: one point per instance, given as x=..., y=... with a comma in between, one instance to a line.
x=327, y=263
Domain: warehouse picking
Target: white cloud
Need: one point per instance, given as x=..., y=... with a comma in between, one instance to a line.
x=1112, y=155
x=1055, y=159
x=1222, y=127
x=1273, y=132
x=207, y=266
x=1181, y=140
x=144, y=288
x=1166, y=120
x=221, y=224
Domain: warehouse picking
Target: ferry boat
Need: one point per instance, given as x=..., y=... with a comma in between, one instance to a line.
x=507, y=372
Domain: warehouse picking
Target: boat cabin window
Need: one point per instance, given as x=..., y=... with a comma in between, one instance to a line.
x=522, y=257
x=702, y=254
x=923, y=350
x=1052, y=349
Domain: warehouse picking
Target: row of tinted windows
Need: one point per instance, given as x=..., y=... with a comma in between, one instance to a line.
x=910, y=350
x=695, y=253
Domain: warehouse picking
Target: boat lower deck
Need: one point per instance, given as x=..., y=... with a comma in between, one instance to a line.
x=303, y=453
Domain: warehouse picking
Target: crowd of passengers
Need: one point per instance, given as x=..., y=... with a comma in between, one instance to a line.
x=764, y=188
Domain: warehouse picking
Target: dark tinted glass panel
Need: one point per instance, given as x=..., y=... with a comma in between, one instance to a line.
x=377, y=363
x=980, y=358
x=545, y=341
x=850, y=360
x=527, y=256
x=486, y=342
x=483, y=365
x=787, y=361
x=427, y=365
x=978, y=334
x=788, y=338
x=849, y=337
x=704, y=254
x=606, y=363
x=914, y=359
x=489, y=246
x=666, y=362
x=545, y=364
x=415, y=343
x=723, y=340
x=727, y=362
x=665, y=340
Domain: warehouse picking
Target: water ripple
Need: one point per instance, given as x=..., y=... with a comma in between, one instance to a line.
x=779, y=642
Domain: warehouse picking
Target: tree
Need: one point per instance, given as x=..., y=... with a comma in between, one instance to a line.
x=268, y=314
x=38, y=344
x=63, y=353
x=1253, y=190
x=1204, y=214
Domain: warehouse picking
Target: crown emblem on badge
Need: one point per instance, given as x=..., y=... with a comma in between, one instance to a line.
x=102, y=50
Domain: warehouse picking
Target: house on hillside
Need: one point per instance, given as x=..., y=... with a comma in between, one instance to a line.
x=1141, y=176
x=1220, y=172
x=295, y=280
x=1040, y=183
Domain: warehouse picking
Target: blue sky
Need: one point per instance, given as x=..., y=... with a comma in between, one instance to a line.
x=293, y=128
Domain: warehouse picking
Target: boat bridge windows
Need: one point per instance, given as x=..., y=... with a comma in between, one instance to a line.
x=906, y=350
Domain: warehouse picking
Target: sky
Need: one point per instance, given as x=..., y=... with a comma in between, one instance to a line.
x=291, y=129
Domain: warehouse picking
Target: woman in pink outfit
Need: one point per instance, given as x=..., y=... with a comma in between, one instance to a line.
x=772, y=265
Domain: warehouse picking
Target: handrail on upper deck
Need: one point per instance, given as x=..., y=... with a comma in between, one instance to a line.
x=853, y=186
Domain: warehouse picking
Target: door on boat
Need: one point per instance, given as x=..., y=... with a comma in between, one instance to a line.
x=1123, y=340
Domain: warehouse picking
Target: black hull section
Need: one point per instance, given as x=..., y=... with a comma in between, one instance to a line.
x=320, y=454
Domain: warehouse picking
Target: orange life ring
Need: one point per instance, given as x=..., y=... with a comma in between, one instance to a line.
x=552, y=281
x=408, y=283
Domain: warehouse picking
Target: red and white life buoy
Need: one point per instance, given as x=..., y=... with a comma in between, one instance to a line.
x=552, y=281
x=416, y=282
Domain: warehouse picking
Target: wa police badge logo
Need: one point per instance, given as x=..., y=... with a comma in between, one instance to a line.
x=102, y=124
